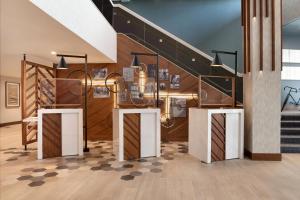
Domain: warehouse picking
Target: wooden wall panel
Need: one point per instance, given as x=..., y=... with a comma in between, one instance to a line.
x=52, y=135
x=132, y=136
x=100, y=110
x=68, y=92
x=218, y=136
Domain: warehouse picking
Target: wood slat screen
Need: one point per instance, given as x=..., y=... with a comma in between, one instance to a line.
x=31, y=76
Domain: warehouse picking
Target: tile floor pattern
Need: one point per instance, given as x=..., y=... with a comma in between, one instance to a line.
x=38, y=172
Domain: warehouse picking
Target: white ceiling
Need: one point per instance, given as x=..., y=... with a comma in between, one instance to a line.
x=27, y=29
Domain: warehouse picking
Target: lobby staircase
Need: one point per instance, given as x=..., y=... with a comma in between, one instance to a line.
x=184, y=55
x=290, y=133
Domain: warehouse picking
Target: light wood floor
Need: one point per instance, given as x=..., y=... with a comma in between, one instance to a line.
x=183, y=178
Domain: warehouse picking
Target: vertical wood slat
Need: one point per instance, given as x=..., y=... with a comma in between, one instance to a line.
x=254, y=8
x=243, y=12
x=273, y=33
x=132, y=138
x=244, y=35
x=218, y=137
x=200, y=89
x=248, y=36
x=267, y=8
x=23, y=87
x=52, y=146
x=261, y=36
x=281, y=55
x=36, y=87
x=233, y=93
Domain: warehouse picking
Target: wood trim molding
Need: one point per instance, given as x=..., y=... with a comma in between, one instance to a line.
x=10, y=123
x=263, y=156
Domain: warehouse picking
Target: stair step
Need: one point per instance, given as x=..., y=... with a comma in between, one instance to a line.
x=290, y=117
x=290, y=148
x=290, y=140
x=290, y=136
x=291, y=124
x=290, y=131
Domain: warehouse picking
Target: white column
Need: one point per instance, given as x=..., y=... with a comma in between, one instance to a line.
x=262, y=89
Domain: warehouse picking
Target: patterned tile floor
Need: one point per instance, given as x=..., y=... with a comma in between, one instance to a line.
x=37, y=172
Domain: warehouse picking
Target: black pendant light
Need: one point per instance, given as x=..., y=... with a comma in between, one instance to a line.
x=135, y=62
x=62, y=64
x=217, y=62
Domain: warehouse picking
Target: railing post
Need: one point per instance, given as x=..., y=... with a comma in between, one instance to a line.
x=233, y=91
x=199, y=91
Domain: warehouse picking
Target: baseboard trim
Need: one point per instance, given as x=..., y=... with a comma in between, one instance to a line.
x=263, y=156
x=10, y=123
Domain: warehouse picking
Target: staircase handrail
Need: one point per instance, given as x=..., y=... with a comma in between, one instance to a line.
x=207, y=79
x=184, y=43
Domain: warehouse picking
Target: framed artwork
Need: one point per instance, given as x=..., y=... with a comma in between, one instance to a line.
x=163, y=74
x=128, y=74
x=151, y=69
x=134, y=91
x=12, y=94
x=149, y=87
x=101, y=92
x=178, y=106
x=174, y=81
x=162, y=86
x=100, y=73
x=122, y=96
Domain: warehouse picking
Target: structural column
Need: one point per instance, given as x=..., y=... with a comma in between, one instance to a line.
x=262, y=78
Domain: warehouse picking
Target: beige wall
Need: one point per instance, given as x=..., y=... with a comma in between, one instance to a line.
x=8, y=114
x=262, y=91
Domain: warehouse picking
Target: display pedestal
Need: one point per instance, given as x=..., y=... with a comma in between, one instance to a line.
x=60, y=132
x=216, y=134
x=136, y=133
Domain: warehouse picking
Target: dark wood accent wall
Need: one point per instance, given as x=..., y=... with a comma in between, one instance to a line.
x=132, y=136
x=218, y=136
x=100, y=110
x=52, y=135
x=188, y=84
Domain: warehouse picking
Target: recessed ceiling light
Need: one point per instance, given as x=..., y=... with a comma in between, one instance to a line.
x=53, y=53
